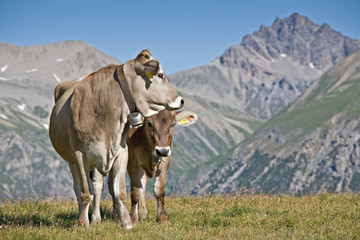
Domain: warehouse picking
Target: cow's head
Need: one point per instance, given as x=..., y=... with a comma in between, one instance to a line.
x=159, y=130
x=149, y=85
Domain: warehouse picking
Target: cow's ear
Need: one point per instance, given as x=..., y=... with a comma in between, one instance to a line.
x=149, y=68
x=186, y=118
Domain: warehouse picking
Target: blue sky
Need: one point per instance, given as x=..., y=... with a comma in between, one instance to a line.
x=181, y=34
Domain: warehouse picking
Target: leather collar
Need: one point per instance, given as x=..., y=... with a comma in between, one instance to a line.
x=120, y=77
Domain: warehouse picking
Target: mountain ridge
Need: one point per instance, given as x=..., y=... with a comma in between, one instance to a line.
x=311, y=145
x=269, y=68
x=233, y=95
x=28, y=76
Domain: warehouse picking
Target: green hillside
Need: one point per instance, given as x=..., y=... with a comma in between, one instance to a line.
x=313, y=144
x=336, y=92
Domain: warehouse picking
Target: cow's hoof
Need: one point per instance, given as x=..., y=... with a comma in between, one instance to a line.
x=143, y=215
x=163, y=218
x=128, y=227
x=95, y=219
x=134, y=220
x=84, y=223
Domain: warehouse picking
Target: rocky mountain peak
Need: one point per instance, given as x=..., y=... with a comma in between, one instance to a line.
x=325, y=27
x=296, y=20
x=296, y=37
x=271, y=66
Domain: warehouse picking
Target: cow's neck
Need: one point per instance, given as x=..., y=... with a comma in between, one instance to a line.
x=120, y=77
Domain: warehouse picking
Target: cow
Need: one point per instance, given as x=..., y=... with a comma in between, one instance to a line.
x=149, y=156
x=62, y=87
x=89, y=126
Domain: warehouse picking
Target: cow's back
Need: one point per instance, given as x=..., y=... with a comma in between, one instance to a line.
x=61, y=88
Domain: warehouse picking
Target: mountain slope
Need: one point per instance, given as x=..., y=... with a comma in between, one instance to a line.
x=218, y=129
x=270, y=68
x=232, y=95
x=29, y=165
x=313, y=144
x=27, y=79
x=28, y=76
x=259, y=77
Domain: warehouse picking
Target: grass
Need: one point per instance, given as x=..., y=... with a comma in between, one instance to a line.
x=322, y=216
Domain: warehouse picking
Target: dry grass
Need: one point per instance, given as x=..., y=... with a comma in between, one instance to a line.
x=322, y=216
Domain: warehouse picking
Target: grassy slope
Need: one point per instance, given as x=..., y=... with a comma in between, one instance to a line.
x=327, y=97
x=323, y=216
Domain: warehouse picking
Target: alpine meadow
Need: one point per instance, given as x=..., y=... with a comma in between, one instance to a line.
x=243, y=216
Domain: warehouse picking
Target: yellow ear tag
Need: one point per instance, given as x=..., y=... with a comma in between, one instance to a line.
x=184, y=121
x=149, y=74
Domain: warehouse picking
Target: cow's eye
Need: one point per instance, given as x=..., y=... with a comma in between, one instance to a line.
x=149, y=124
x=172, y=126
x=161, y=75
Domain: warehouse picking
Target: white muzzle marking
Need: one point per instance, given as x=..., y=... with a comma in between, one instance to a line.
x=162, y=151
x=177, y=103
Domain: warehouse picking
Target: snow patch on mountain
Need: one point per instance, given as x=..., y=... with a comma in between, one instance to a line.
x=22, y=106
x=3, y=116
x=31, y=70
x=56, y=78
x=4, y=68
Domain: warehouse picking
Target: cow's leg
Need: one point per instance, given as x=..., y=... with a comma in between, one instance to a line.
x=159, y=189
x=77, y=188
x=117, y=189
x=143, y=212
x=111, y=191
x=86, y=187
x=97, y=181
x=136, y=174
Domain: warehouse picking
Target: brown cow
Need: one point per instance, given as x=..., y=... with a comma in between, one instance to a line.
x=89, y=126
x=61, y=88
x=150, y=155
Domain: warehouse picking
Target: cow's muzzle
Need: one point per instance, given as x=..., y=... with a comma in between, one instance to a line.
x=162, y=151
x=177, y=104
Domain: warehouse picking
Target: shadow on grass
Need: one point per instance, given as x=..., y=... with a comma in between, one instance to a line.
x=64, y=219
x=36, y=220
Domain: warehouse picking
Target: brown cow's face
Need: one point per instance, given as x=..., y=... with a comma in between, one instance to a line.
x=159, y=130
x=150, y=87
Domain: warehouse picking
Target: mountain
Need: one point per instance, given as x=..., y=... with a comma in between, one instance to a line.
x=40, y=68
x=219, y=128
x=27, y=80
x=254, y=80
x=313, y=144
x=233, y=96
x=28, y=76
x=270, y=68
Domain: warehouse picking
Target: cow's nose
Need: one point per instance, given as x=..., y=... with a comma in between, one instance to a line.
x=182, y=103
x=162, y=151
x=177, y=104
